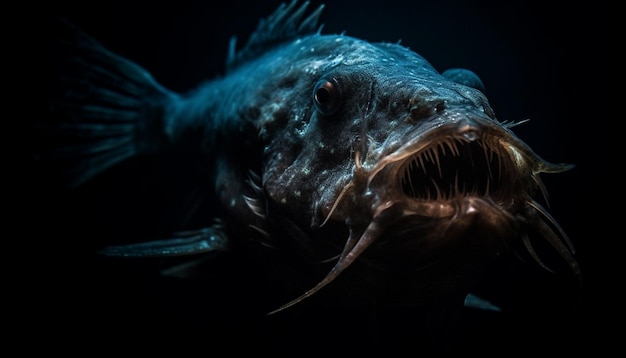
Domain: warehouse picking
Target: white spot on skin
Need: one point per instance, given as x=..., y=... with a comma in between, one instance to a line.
x=317, y=65
x=233, y=202
x=283, y=201
x=297, y=193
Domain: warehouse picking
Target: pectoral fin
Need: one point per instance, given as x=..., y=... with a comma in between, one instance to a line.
x=473, y=301
x=192, y=242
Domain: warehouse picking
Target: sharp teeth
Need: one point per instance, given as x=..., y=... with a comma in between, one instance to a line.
x=453, y=148
x=421, y=160
x=429, y=155
x=488, y=154
x=438, y=162
x=410, y=183
x=463, y=169
x=439, y=195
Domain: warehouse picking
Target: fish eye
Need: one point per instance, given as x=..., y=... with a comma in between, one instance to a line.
x=327, y=96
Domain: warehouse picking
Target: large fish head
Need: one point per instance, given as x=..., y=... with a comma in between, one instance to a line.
x=411, y=163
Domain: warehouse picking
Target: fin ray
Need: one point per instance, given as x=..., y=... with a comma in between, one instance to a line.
x=191, y=242
x=103, y=108
x=283, y=24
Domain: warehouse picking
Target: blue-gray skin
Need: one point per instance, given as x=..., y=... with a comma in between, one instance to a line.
x=324, y=148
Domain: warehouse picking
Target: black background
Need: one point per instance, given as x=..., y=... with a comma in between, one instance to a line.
x=546, y=64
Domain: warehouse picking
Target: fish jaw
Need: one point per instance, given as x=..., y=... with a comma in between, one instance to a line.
x=455, y=164
x=459, y=174
x=456, y=193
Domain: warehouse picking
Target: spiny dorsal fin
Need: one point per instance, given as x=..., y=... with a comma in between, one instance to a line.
x=283, y=24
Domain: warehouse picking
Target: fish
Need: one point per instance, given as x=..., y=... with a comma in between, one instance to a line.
x=338, y=165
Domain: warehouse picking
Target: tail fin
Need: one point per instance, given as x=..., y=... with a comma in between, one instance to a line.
x=102, y=108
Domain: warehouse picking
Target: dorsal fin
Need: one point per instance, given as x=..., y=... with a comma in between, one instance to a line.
x=283, y=24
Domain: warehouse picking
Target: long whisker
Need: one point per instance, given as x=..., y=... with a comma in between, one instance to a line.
x=511, y=124
x=336, y=203
x=533, y=253
x=547, y=215
x=369, y=236
x=566, y=251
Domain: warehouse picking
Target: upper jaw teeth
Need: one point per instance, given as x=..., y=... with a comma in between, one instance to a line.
x=455, y=167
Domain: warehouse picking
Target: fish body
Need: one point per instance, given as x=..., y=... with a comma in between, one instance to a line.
x=332, y=161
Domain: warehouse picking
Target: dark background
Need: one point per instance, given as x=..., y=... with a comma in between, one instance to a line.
x=546, y=64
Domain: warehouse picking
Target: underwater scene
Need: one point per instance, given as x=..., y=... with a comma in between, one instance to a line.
x=325, y=178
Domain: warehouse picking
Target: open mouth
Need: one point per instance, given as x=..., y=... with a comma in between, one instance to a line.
x=470, y=181
x=456, y=167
